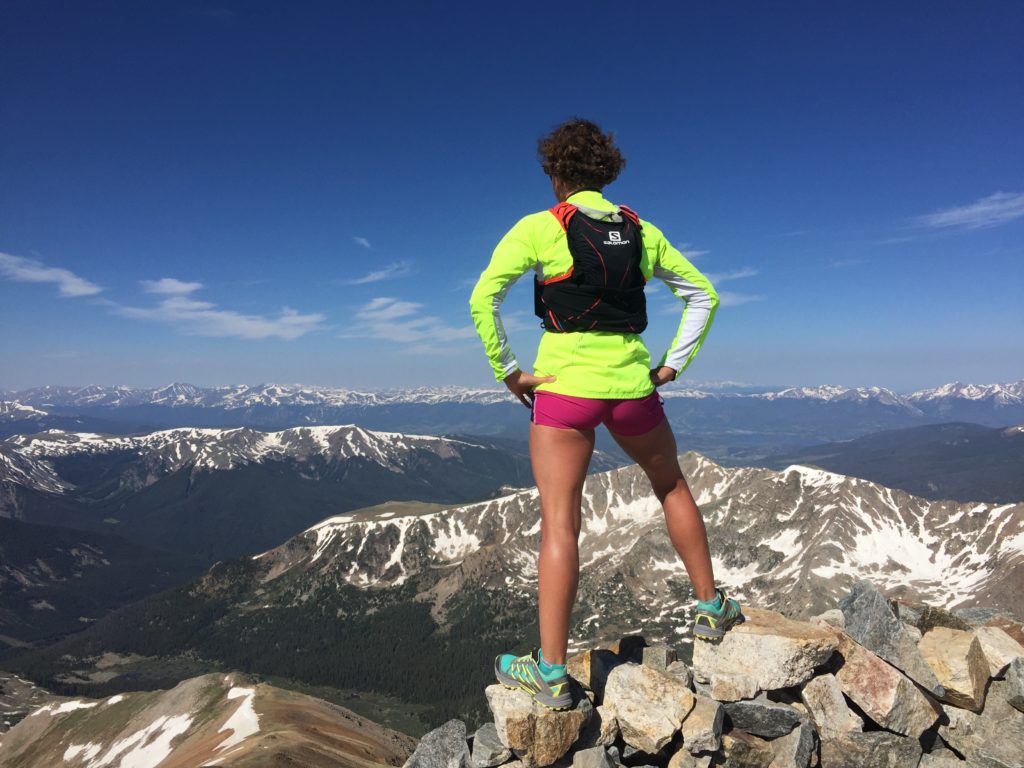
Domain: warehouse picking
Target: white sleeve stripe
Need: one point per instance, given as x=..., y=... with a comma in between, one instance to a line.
x=695, y=319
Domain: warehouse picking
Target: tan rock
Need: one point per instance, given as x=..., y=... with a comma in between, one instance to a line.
x=732, y=687
x=591, y=669
x=883, y=693
x=539, y=736
x=773, y=651
x=649, y=705
x=824, y=700
x=683, y=759
x=957, y=660
x=702, y=728
x=999, y=649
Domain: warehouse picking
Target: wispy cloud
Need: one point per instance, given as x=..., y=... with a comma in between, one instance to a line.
x=23, y=270
x=731, y=299
x=170, y=286
x=736, y=274
x=403, y=322
x=361, y=241
x=690, y=252
x=204, y=318
x=990, y=211
x=398, y=269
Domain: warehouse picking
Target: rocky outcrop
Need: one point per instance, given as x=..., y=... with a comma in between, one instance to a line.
x=780, y=693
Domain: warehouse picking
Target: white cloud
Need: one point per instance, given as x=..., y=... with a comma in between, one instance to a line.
x=690, y=252
x=736, y=274
x=730, y=299
x=398, y=269
x=23, y=270
x=401, y=322
x=170, y=286
x=990, y=211
x=361, y=241
x=203, y=318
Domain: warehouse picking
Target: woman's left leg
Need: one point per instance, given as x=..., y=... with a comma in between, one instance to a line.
x=559, y=458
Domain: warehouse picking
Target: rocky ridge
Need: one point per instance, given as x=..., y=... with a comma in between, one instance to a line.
x=872, y=684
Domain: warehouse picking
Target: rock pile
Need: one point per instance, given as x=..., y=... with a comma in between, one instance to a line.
x=871, y=684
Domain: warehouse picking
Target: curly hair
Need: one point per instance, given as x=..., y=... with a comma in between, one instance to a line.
x=578, y=153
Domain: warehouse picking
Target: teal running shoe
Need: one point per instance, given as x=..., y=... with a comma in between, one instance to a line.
x=711, y=624
x=524, y=673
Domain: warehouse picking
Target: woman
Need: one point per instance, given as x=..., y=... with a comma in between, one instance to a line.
x=591, y=259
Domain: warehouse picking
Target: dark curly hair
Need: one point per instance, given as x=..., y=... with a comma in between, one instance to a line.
x=578, y=153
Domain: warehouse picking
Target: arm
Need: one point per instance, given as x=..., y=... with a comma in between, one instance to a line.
x=687, y=283
x=513, y=257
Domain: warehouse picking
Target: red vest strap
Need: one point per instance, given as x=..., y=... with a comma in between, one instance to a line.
x=563, y=212
x=630, y=214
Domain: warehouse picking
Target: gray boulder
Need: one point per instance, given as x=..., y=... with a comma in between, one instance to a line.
x=762, y=717
x=874, y=749
x=994, y=738
x=594, y=757
x=443, y=747
x=1014, y=684
x=871, y=622
x=488, y=751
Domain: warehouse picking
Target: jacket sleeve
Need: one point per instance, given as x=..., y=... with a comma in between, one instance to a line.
x=687, y=283
x=513, y=257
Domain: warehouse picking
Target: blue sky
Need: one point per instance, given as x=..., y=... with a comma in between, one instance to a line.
x=304, y=192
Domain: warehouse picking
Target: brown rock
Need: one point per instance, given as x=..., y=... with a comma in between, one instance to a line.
x=702, y=728
x=957, y=660
x=824, y=700
x=999, y=649
x=884, y=693
x=773, y=651
x=741, y=750
x=648, y=705
x=1013, y=628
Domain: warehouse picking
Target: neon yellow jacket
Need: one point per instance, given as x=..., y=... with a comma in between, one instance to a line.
x=596, y=364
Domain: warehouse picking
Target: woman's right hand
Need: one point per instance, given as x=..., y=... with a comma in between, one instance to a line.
x=521, y=385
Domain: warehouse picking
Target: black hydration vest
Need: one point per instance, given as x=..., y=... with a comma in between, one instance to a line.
x=604, y=290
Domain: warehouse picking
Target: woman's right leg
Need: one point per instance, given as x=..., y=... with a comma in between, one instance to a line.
x=655, y=452
x=560, y=458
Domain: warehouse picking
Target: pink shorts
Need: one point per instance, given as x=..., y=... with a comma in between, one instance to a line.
x=623, y=417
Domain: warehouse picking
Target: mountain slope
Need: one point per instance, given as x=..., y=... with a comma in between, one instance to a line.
x=56, y=580
x=382, y=601
x=965, y=462
x=205, y=721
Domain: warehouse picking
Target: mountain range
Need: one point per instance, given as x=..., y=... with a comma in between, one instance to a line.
x=217, y=493
x=729, y=423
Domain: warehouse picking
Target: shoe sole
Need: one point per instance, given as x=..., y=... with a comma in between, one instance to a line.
x=715, y=635
x=513, y=685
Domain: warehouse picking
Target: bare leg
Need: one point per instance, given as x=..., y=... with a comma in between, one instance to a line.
x=560, y=458
x=655, y=452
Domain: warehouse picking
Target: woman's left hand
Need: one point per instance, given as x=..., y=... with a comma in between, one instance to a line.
x=663, y=375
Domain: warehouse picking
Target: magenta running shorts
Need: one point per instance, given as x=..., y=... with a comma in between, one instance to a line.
x=623, y=417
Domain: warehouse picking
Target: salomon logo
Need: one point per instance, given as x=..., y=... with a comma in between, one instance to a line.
x=615, y=238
